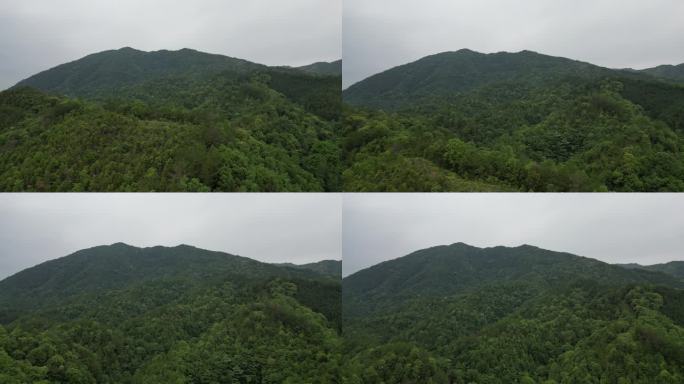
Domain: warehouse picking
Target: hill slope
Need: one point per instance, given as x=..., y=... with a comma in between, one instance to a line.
x=170, y=121
x=106, y=72
x=325, y=267
x=118, y=265
x=667, y=72
x=121, y=314
x=332, y=68
x=499, y=315
x=466, y=121
x=451, y=73
x=674, y=268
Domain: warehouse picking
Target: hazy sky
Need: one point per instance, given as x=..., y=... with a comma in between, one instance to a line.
x=381, y=34
x=39, y=34
x=298, y=228
x=616, y=228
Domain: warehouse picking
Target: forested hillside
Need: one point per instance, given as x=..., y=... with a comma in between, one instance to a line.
x=466, y=121
x=325, y=267
x=324, y=68
x=121, y=314
x=674, y=268
x=667, y=72
x=460, y=314
x=128, y=120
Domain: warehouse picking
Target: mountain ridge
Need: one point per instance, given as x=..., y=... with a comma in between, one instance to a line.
x=114, y=68
x=458, y=268
x=510, y=315
x=111, y=267
x=123, y=314
x=325, y=68
x=211, y=62
x=455, y=72
x=170, y=121
x=674, y=268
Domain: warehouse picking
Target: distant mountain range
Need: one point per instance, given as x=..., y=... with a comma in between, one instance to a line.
x=502, y=315
x=668, y=72
x=110, y=71
x=674, y=268
x=123, y=314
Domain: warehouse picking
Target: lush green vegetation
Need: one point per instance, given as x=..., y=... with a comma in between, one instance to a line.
x=674, y=268
x=667, y=72
x=324, y=68
x=459, y=314
x=119, y=314
x=170, y=121
x=464, y=121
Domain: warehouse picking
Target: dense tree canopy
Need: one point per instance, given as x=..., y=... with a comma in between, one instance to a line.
x=465, y=121
x=170, y=121
x=243, y=322
x=511, y=315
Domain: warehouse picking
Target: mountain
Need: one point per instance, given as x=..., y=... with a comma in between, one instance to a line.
x=333, y=68
x=674, y=268
x=111, y=70
x=127, y=120
x=451, y=73
x=667, y=72
x=468, y=121
x=459, y=313
x=458, y=268
x=122, y=314
x=324, y=267
x=114, y=266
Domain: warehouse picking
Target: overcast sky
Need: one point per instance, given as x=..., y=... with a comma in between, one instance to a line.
x=36, y=35
x=297, y=228
x=381, y=34
x=615, y=228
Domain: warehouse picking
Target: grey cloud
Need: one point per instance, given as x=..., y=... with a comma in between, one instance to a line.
x=615, y=228
x=297, y=228
x=382, y=34
x=39, y=34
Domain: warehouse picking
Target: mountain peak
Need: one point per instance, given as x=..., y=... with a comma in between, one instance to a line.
x=121, y=244
x=467, y=50
x=128, y=49
x=105, y=73
x=455, y=73
x=461, y=244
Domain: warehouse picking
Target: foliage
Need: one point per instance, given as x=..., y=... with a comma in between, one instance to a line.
x=538, y=317
x=170, y=121
x=527, y=122
x=244, y=323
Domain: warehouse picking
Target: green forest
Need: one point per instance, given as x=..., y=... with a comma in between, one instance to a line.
x=466, y=121
x=129, y=120
x=511, y=315
x=442, y=315
x=121, y=314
